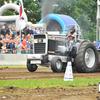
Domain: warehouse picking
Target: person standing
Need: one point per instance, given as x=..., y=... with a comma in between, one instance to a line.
x=37, y=31
x=1, y=37
x=28, y=31
x=31, y=47
x=3, y=47
x=41, y=31
x=24, y=46
x=9, y=29
x=31, y=37
x=12, y=47
x=3, y=31
x=22, y=32
x=8, y=46
x=28, y=46
x=6, y=37
x=18, y=46
x=32, y=30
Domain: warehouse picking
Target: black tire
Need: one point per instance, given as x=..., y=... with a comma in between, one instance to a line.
x=54, y=65
x=31, y=67
x=86, y=60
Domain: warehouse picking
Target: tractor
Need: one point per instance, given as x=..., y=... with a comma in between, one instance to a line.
x=56, y=50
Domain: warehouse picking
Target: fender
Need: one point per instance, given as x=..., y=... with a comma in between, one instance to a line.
x=79, y=43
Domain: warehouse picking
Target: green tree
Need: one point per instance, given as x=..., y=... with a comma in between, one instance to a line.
x=83, y=11
x=7, y=12
x=32, y=10
x=1, y=3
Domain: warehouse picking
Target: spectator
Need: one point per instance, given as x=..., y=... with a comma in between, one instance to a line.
x=23, y=36
x=12, y=47
x=15, y=37
x=22, y=32
x=8, y=46
x=22, y=39
x=31, y=47
x=41, y=31
x=3, y=47
x=6, y=36
x=28, y=31
x=37, y=31
x=1, y=37
x=12, y=40
x=18, y=47
x=9, y=29
x=31, y=37
x=16, y=40
x=14, y=31
x=10, y=36
x=24, y=46
x=18, y=36
x=44, y=31
x=18, y=33
x=32, y=30
x=94, y=42
x=28, y=46
x=28, y=36
x=6, y=41
x=3, y=31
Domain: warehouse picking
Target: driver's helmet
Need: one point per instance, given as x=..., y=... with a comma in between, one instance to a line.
x=72, y=29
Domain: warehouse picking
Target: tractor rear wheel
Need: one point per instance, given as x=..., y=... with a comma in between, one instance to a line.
x=86, y=60
x=56, y=64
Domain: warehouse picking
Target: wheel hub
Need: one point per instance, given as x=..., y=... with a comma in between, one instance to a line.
x=89, y=58
x=58, y=64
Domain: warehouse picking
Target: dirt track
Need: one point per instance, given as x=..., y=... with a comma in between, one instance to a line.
x=54, y=93
x=41, y=73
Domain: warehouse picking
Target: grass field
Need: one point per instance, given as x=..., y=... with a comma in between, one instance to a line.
x=48, y=83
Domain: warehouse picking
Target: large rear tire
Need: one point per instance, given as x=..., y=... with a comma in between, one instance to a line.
x=31, y=67
x=86, y=60
x=56, y=65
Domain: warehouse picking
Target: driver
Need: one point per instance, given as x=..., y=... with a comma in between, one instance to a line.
x=71, y=38
x=71, y=35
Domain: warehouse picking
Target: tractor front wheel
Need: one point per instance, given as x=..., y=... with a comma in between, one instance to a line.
x=31, y=67
x=56, y=64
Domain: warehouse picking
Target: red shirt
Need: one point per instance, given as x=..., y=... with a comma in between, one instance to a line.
x=71, y=37
x=24, y=44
